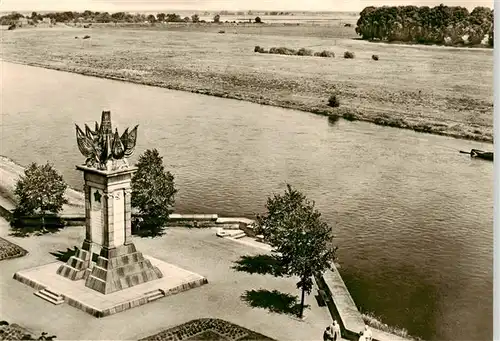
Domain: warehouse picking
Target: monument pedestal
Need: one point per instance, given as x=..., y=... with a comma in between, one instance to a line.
x=121, y=277
x=108, y=228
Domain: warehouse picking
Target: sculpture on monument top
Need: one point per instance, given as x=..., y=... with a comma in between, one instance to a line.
x=103, y=149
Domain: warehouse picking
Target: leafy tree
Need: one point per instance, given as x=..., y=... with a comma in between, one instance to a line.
x=153, y=192
x=258, y=20
x=103, y=17
x=161, y=17
x=301, y=240
x=151, y=18
x=195, y=18
x=172, y=17
x=40, y=190
x=217, y=18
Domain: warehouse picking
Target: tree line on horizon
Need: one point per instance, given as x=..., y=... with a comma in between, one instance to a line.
x=97, y=17
x=425, y=25
x=106, y=17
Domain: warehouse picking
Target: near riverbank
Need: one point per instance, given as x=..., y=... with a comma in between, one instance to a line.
x=422, y=88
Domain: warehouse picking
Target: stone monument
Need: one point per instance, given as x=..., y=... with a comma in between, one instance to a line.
x=107, y=274
x=108, y=176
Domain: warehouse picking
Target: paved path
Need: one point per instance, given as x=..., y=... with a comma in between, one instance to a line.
x=197, y=250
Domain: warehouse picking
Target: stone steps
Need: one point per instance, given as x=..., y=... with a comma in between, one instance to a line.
x=230, y=233
x=154, y=295
x=50, y=296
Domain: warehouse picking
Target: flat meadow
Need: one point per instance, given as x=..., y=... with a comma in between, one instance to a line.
x=441, y=90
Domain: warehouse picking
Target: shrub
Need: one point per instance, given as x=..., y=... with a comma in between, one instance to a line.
x=349, y=55
x=41, y=189
x=375, y=57
x=325, y=53
x=304, y=52
x=282, y=50
x=259, y=49
x=222, y=31
x=333, y=101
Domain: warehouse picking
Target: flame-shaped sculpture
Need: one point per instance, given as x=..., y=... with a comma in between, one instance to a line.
x=102, y=148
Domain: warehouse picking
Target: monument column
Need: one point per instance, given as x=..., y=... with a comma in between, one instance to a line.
x=108, y=210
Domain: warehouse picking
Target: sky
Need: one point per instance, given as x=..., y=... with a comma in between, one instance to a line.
x=215, y=5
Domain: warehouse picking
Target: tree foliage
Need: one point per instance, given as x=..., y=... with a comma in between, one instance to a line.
x=153, y=192
x=40, y=190
x=217, y=18
x=301, y=240
x=90, y=16
x=437, y=25
x=195, y=18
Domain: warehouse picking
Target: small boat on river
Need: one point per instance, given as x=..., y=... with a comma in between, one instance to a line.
x=479, y=154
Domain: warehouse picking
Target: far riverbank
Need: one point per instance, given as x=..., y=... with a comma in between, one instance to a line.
x=412, y=87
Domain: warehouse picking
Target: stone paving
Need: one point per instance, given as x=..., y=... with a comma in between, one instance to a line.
x=76, y=294
x=196, y=250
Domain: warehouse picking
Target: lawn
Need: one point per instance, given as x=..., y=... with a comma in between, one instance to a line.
x=440, y=90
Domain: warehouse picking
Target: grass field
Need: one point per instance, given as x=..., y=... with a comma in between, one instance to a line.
x=439, y=90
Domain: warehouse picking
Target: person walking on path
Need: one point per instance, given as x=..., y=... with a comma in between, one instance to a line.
x=368, y=333
x=336, y=330
x=328, y=334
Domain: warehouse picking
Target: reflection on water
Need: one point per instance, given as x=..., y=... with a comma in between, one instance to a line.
x=413, y=217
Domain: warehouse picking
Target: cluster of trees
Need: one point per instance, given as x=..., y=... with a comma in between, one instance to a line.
x=105, y=17
x=41, y=191
x=99, y=17
x=437, y=25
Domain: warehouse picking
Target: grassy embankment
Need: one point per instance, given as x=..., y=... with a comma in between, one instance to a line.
x=438, y=90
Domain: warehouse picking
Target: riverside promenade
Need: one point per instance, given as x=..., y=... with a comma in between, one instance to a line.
x=188, y=248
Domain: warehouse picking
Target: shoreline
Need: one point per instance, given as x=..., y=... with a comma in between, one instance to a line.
x=351, y=114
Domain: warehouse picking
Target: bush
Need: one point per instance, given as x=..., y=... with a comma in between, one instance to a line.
x=333, y=101
x=375, y=57
x=259, y=49
x=325, y=53
x=282, y=50
x=304, y=52
x=348, y=55
x=222, y=31
x=41, y=189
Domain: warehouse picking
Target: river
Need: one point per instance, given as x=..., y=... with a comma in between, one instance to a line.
x=413, y=218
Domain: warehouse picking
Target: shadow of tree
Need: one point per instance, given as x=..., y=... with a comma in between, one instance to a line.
x=274, y=301
x=64, y=256
x=260, y=264
x=147, y=228
x=27, y=227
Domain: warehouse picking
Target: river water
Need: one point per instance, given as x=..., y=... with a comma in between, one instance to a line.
x=413, y=217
